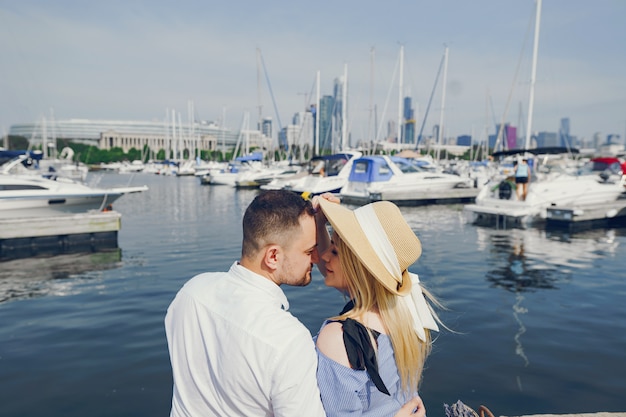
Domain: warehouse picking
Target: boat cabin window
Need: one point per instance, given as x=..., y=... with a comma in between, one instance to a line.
x=360, y=167
x=408, y=167
x=384, y=170
x=333, y=166
x=18, y=187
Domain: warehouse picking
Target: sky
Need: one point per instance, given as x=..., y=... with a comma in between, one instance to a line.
x=142, y=60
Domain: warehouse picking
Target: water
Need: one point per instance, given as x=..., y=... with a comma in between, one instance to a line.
x=537, y=320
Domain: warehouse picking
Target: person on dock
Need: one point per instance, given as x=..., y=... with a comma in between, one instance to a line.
x=522, y=179
x=235, y=349
x=370, y=360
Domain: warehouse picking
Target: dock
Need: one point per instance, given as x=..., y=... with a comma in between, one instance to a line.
x=72, y=233
x=587, y=215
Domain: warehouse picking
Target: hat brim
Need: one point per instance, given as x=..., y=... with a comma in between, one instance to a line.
x=346, y=225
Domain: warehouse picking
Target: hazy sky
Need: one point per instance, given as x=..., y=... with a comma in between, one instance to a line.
x=134, y=60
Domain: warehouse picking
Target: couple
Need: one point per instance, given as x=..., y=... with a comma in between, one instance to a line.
x=235, y=349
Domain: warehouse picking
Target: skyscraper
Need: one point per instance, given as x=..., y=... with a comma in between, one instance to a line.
x=266, y=127
x=564, y=136
x=327, y=104
x=408, y=132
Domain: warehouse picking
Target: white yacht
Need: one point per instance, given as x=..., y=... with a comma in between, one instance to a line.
x=326, y=174
x=24, y=196
x=555, y=182
x=403, y=182
x=263, y=175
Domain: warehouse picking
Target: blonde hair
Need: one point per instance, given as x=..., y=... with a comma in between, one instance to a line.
x=368, y=293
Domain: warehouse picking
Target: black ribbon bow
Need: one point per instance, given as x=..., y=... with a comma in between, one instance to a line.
x=361, y=353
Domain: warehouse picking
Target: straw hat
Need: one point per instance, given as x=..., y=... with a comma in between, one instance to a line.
x=405, y=244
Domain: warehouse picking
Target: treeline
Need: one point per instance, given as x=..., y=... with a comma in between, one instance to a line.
x=92, y=155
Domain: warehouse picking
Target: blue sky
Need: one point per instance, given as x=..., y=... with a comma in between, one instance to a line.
x=134, y=60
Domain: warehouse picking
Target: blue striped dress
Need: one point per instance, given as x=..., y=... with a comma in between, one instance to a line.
x=350, y=392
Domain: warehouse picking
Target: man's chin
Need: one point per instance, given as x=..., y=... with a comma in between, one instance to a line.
x=306, y=280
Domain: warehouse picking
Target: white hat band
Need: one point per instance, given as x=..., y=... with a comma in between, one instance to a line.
x=368, y=220
x=414, y=301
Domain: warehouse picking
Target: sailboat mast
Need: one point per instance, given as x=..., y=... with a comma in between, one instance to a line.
x=44, y=138
x=258, y=88
x=531, y=97
x=371, y=109
x=317, y=113
x=443, y=101
x=344, y=109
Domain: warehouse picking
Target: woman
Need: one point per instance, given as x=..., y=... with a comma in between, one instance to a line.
x=371, y=356
x=522, y=179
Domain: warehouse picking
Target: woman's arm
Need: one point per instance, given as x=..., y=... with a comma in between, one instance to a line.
x=330, y=343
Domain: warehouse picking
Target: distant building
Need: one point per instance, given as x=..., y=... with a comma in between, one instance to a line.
x=338, y=116
x=129, y=134
x=266, y=127
x=547, y=139
x=300, y=132
x=565, y=139
x=464, y=140
x=327, y=105
x=408, y=131
x=508, y=137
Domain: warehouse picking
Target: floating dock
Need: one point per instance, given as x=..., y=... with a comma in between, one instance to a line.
x=72, y=233
x=588, y=215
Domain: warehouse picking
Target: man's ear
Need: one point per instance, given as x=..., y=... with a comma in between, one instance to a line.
x=272, y=256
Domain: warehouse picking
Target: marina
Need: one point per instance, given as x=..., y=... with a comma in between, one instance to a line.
x=536, y=316
x=500, y=134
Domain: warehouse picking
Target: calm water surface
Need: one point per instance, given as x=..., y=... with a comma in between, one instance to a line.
x=537, y=319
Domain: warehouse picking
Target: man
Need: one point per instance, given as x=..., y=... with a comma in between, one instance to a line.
x=235, y=350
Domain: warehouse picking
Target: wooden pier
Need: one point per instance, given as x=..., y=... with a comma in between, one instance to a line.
x=84, y=232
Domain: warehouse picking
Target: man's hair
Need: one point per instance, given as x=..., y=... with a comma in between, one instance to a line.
x=272, y=218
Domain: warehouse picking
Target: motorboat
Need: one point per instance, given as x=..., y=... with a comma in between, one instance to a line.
x=404, y=182
x=228, y=175
x=555, y=182
x=33, y=162
x=324, y=174
x=263, y=175
x=23, y=196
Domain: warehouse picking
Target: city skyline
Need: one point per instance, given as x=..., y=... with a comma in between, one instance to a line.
x=137, y=60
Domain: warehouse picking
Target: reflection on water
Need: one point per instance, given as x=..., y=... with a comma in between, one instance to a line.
x=529, y=260
x=517, y=274
x=518, y=310
x=36, y=277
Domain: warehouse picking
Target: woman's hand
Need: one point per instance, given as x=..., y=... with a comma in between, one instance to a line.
x=326, y=196
x=415, y=407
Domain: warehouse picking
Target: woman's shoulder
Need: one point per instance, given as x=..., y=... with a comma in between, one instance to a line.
x=330, y=342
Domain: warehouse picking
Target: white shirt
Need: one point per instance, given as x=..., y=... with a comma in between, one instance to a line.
x=235, y=350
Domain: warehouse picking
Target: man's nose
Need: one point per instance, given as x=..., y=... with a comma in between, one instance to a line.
x=315, y=257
